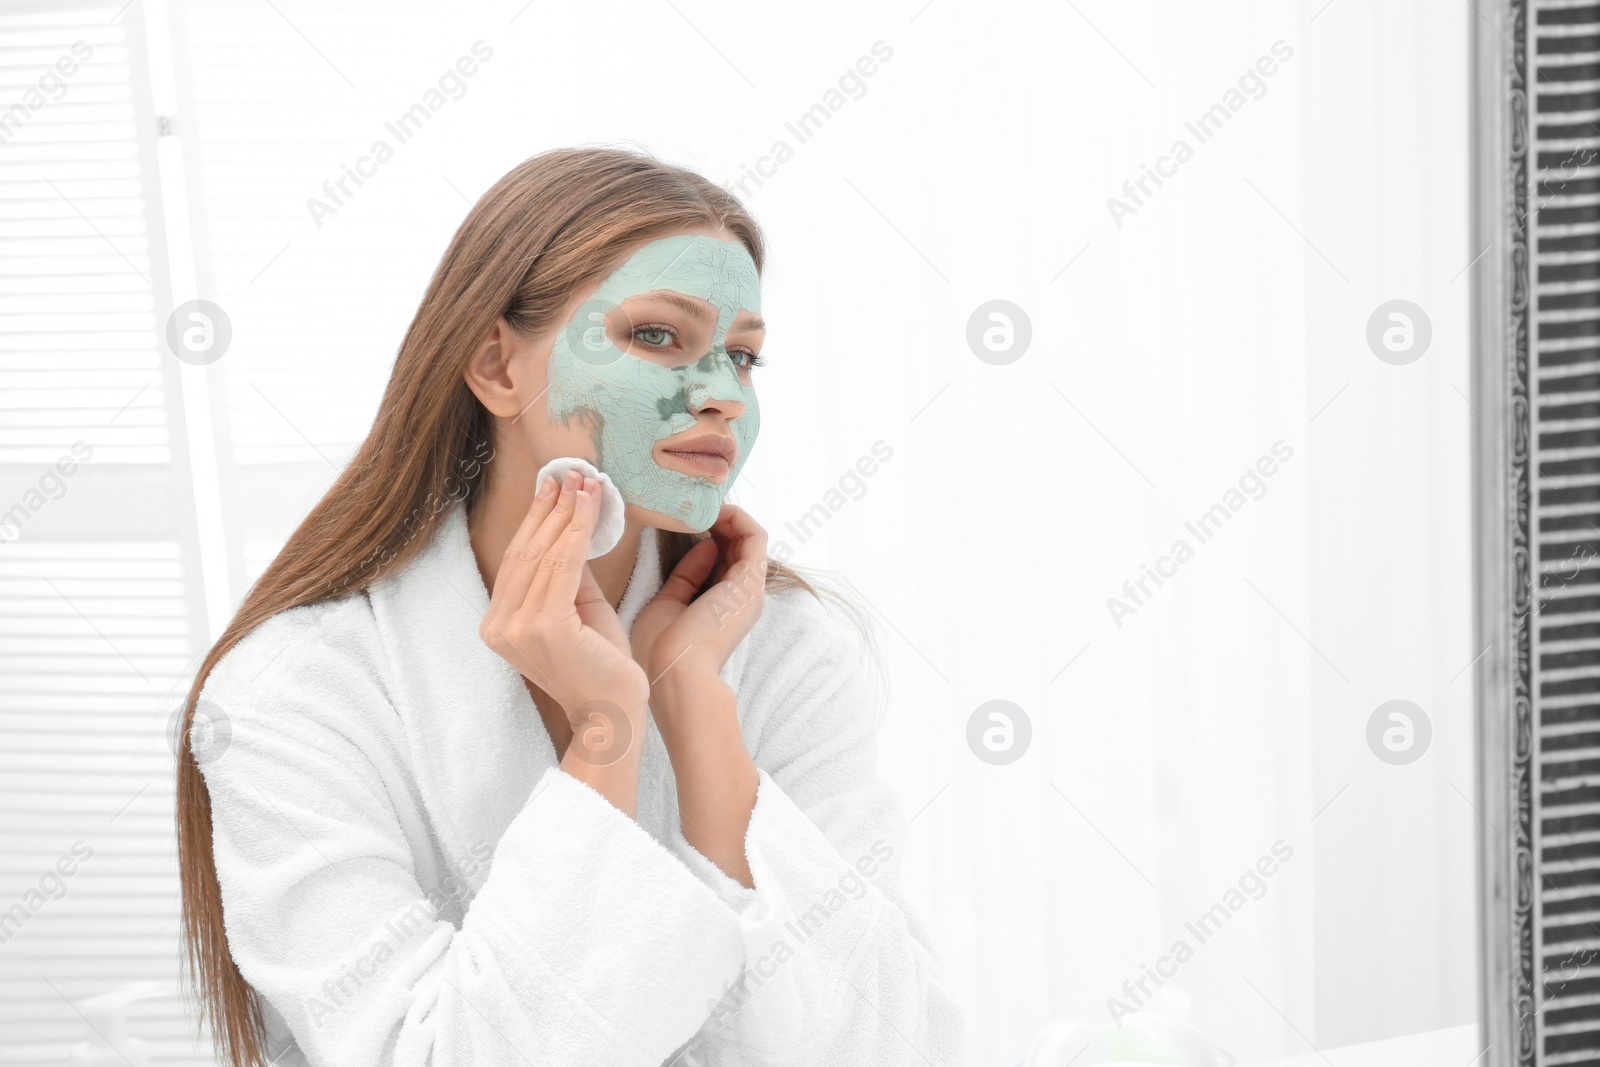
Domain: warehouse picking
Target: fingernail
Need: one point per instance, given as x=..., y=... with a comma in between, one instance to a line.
x=583, y=500
x=546, y=487
x=571, y=482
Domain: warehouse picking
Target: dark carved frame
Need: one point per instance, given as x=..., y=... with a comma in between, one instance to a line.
x=1502, y=544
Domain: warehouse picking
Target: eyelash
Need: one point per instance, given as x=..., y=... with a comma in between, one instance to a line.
x=754, y=357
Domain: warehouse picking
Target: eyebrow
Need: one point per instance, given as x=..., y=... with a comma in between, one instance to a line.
x=699, y=310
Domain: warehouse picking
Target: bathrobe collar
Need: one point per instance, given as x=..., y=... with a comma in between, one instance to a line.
x=476, y=739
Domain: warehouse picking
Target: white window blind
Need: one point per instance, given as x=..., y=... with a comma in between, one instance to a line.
x=101, y=568
x=103, y=609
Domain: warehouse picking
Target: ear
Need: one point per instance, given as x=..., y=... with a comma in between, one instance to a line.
x=497, y=374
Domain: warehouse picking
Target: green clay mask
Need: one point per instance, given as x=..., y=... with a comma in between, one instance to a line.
x=629, y=402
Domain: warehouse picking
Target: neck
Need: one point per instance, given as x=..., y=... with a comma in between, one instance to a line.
x=507, y=496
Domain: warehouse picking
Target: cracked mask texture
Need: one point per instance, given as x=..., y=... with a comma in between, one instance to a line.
x=630, y=402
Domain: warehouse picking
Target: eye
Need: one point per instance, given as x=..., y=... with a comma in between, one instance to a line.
x=666, y=334
x=752, y=359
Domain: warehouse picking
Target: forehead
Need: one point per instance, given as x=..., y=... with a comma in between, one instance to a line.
x=719, y=272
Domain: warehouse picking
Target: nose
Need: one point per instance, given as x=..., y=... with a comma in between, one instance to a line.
x=718, y=389
x=701, y=400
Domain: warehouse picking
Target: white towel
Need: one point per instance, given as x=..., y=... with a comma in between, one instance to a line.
x=409, y=878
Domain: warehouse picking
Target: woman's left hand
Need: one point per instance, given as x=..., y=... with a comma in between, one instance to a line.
x=683, y=641
x=679, y=635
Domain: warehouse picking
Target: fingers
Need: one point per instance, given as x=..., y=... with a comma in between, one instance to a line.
x=690, y=573
x=740, y=540
x=560, y=567
x=734, y=524
x=557, y=525
x=522, y=554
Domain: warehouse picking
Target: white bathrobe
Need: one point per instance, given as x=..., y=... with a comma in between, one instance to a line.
x=409, y=878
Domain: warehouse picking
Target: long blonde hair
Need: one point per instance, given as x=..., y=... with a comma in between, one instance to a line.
x=547, y=228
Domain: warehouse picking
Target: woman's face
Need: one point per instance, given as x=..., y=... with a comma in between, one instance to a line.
x=652, y=373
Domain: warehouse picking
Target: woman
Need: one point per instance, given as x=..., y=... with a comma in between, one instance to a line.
x=614, y=812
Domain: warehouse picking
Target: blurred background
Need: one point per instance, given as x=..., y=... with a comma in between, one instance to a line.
x=1066, y=343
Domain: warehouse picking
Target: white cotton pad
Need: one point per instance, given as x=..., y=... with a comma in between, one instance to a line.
x=608, y=528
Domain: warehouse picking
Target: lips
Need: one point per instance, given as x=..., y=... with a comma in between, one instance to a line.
x=707, y=454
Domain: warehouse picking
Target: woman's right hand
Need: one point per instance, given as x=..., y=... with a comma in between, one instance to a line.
x=549, y=619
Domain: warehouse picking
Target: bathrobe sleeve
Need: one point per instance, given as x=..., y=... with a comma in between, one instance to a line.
x=837, y=967
x=589, y=943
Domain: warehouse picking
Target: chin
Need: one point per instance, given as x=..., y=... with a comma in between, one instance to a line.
x=663, y=522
